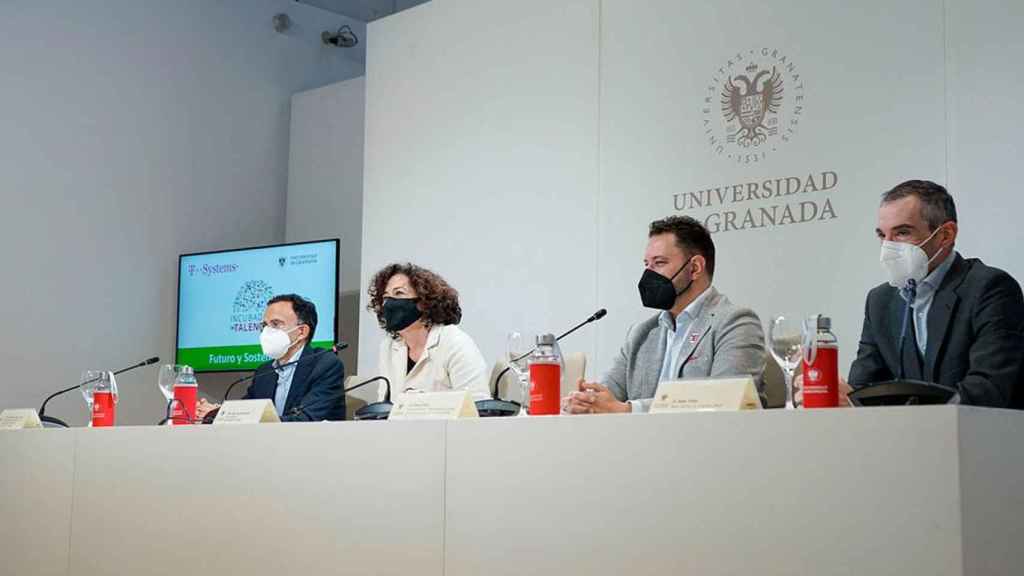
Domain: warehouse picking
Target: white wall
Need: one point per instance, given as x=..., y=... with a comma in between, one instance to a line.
x=133, y=132
x=478, y=112
x=659, y=65
x=325, y=187
x=984, y=48
x=481, y=161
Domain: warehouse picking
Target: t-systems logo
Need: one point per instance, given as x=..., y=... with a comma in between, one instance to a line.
x=208, y=270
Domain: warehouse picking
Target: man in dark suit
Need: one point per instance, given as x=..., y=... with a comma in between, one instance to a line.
x=304, y=383
x=964, y=327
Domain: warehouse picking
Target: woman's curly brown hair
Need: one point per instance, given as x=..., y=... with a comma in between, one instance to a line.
x=437, y=299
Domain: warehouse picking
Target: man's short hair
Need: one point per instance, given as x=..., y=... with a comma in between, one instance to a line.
x=937, y=206
x=690, y=235
x=304, y=309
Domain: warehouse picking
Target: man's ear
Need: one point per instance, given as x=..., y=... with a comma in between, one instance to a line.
x=952, y=230
x=698, y=266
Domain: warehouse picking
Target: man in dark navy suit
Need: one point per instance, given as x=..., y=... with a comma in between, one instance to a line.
x=964, y=321
x=304, y=383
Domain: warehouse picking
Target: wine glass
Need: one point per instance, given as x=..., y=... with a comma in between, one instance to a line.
x=166, y=378
x=784, y=338
x=517, y=352
x=92, y=380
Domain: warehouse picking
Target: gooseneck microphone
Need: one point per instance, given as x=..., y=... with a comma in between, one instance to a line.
x=208, y=418
x=57, y=421
x=376, y=410
x=593, y=318
x=911, y=295
x=495, y=406
x=903, y=391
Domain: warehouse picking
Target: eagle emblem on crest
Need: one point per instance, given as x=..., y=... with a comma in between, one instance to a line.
x=750, y=101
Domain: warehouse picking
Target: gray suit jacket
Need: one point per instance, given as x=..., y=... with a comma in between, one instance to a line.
x=730, y=342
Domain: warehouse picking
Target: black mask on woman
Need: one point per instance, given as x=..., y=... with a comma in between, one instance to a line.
x=400, y=313
x=657, y=292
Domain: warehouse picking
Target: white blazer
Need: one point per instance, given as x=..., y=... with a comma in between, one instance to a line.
x=450, y=361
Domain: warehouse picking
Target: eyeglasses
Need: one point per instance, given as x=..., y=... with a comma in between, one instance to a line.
x=278, y=324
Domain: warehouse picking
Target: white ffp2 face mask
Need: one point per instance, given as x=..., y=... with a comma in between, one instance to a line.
x=904, y=261
x=275, y=342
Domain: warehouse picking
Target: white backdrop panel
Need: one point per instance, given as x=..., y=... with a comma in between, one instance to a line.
x=479, y=112
x=871, y=113
x=481, y=161
x=985, y=48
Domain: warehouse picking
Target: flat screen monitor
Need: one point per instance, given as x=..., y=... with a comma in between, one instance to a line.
x=222, y=296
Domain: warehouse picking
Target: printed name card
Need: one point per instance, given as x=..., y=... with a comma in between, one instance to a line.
x=19, y=419
x=434, y=406
x=706, y=395
x=246, y=412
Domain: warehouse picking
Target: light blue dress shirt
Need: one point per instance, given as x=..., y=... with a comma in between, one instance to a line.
x=675, y=334
x=923, y=301
x=284, y=381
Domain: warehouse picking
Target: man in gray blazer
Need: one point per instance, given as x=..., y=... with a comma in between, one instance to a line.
x=697, y=334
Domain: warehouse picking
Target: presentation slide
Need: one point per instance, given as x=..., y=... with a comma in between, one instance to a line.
x=222, y=297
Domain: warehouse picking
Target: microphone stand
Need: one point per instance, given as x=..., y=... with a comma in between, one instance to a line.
x=495, y=406
x=57, y=421
x=376, y=410
x=902, y=390
x=208, y=418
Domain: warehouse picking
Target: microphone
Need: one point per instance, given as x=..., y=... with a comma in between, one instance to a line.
x=911, y=295
x=270, y=368
x=208, y=419
x=376, y=410
x=57, y=421
x=903, y=391
x=495, y=406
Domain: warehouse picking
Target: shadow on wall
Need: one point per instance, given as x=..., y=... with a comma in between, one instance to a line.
x=348, y=330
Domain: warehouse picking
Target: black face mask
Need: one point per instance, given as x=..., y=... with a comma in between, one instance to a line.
x=657, y=292
x=399, y=313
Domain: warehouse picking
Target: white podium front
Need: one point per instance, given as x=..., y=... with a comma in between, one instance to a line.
x=901, y=491
x=926, y=490
x=36, y=475
x=315, y=498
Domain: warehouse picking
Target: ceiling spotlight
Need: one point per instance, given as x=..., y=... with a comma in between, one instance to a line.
x=281, y=23
x=343, y=38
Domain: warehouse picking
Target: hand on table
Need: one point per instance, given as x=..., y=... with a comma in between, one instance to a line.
x=593, y=398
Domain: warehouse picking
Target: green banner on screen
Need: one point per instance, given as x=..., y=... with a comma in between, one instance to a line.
x=227, y=358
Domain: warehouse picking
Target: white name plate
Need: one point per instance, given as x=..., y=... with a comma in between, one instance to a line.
x=19, y=419
x=434, y=406
x=706, y=395
x=246, y=412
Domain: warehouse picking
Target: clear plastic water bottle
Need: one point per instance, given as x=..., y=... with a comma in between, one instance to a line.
x=546, y=369
x=186, y=391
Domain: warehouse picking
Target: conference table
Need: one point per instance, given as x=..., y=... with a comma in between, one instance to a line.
x=909, y=490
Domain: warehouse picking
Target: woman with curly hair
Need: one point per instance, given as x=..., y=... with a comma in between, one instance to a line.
x=426, y=351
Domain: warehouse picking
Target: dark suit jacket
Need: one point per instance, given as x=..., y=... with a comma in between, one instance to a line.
x=316, y=392
x=975, y=336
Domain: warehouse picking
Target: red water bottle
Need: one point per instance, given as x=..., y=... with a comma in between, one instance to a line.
x=820, y=364
x=545, y=365
x=186, y=390
x=104, y=401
